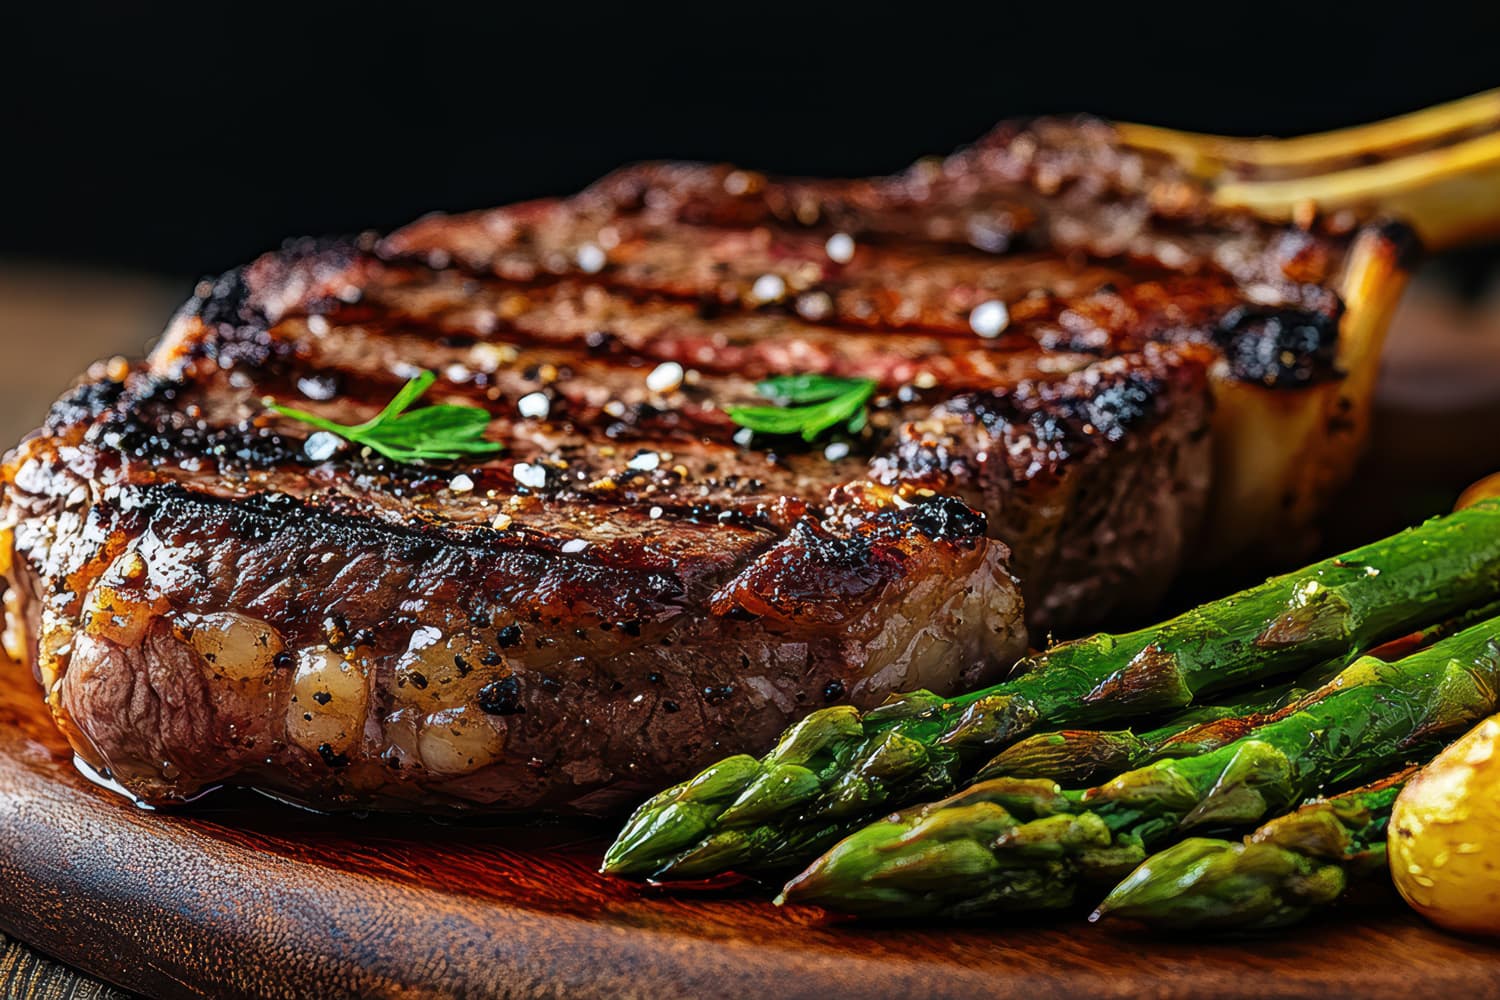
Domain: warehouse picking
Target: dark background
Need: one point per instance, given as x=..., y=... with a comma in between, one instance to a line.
x=185, y=140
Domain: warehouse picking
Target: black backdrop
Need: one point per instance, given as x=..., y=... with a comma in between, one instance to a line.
x=186, y=140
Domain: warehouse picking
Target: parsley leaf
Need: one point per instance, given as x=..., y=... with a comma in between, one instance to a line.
x=442, y=432
x=814, y=404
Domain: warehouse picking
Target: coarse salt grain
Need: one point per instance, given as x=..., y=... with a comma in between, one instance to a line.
x=840, y=248
x=645, y=461
x=461, y=483
x=814, y=305
x=574, y=545
x=665, y=377
x=534, y=405
x=768, y=288
x=591, y=259
x=836, y=451
x=320, y=446
x=989, y=319
x=533, y=476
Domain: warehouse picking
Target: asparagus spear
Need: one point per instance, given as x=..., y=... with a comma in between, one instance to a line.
x=1013, y=844
x=1274, y=877
x=1080, y=756
x=837, y=767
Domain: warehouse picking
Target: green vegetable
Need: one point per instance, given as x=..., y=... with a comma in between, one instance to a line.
x=1013, y=844
x=814, y=404
x=443, y=432
x=1274, y=877
x=1084, y=755
x=838, y=767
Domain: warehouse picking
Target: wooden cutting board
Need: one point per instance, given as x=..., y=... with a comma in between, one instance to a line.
x=248, y=898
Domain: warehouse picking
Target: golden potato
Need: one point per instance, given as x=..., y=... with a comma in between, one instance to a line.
x=1487, y=487
x=1445, y=835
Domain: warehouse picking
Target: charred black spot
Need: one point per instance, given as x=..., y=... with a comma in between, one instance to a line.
x=147, y=432
x=948, y=519
x=322, y=697
x=1117, y=407
x=283, y=661
x=508, y=636
x=668, y=705
x=1073, y=416
x=502, y=697
x=833, y=691
x=631, y=628
x=225, y=300
x=1279, y=348
x=232, y=300
x=718, y=695
x=418, y=680
x=331, y=758
x=1404, y=241
x=84, y=403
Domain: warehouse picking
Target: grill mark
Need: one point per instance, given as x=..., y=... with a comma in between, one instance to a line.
x=916, y=288
x=1104, y=323
x=646, y=585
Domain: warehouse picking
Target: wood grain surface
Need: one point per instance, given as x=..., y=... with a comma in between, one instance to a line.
x=242, y=897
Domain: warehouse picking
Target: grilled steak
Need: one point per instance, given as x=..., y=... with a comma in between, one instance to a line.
x=211, y=593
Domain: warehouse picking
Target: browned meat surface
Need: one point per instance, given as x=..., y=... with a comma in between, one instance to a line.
x=634, y=586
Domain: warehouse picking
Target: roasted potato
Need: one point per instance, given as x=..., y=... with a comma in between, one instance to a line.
x=1444, y=846
x=1489, y=486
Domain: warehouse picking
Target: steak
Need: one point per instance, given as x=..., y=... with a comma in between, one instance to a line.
x=210, y=593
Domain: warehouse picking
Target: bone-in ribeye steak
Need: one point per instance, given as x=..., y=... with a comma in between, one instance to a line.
x=631, y=589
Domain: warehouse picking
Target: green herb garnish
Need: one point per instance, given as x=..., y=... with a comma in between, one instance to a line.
x=812, y=404
x=440, y=433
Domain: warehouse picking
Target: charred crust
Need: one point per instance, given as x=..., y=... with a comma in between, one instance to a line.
x=234, y=312
x=152, y=433
x=84, y=403
x=502, y=697
x=332, y=757
x=948, y=519
x=1279, y=348
x=1406, y=246
x=254, y=295
x=1071, y=415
